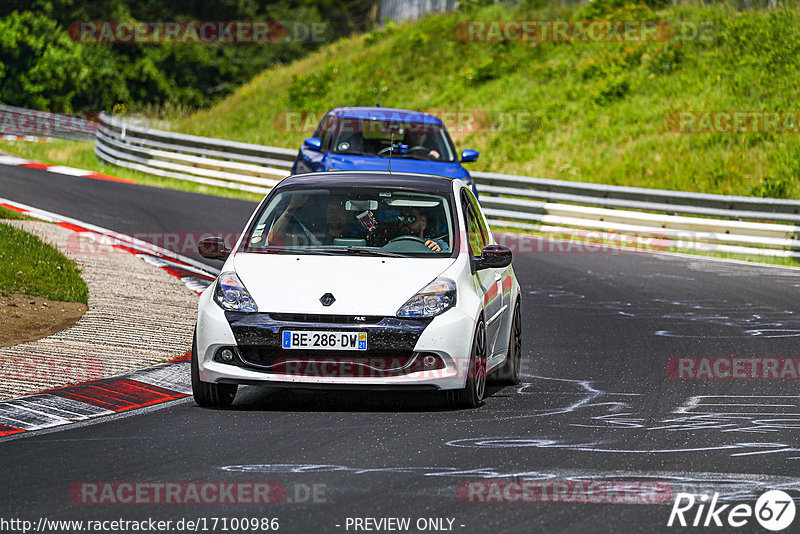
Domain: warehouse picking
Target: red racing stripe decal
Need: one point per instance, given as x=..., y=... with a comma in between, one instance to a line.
x=490, y=294
x=507, y=285
x=8, y=430
x=117, y=394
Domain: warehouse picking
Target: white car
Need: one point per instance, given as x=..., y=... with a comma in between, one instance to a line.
x=360, y=280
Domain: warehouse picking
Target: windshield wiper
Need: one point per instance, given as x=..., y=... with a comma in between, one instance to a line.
x=305, y=250
x=376, y=252
x=333, y=251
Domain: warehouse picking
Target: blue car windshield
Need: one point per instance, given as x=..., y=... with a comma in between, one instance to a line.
x=412, y=140
x=354, y=220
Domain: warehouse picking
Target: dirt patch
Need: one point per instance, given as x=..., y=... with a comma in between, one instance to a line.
x=25, y=318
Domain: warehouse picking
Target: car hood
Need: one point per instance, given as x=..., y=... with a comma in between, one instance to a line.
x=361, y=285
x=367, y=163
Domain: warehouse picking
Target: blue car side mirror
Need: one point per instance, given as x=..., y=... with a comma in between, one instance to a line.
x=314, y=143
x=469, y=155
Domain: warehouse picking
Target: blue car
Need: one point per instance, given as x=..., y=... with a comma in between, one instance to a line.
x=364, y=138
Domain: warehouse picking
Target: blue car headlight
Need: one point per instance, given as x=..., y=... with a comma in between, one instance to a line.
x=231, y=294
x=431, y=300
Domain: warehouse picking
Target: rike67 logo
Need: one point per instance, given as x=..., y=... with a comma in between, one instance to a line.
x=774, y=510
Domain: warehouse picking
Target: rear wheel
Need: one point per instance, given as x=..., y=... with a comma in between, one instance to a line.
x=475, y=388
x=208, y=394
x=508, y=374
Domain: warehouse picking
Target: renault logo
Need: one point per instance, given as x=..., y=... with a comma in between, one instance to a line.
x=327, y=299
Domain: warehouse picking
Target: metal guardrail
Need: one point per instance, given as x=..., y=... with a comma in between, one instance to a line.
x=702, y=222
x=26, y=122
x=205, y=160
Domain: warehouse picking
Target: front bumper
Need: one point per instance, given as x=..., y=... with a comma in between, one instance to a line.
x=394, y=359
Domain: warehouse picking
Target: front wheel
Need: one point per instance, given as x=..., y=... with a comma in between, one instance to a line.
x=207, y=394
x=475, y=388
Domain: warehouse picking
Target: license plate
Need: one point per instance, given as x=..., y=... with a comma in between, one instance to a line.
x=321, y=339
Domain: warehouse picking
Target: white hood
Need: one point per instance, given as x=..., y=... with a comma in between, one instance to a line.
x=361, y=285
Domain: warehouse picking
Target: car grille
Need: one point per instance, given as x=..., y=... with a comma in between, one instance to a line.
x=319, y=318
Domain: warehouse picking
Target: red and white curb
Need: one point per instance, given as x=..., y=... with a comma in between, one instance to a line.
x=106, y=396
x=35, y=138
x=196, y=275
x=6, y=159
x=88, y=400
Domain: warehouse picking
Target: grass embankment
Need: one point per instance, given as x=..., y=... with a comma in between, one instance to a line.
x=31, y=267
x=586, y=111
x=598, y=111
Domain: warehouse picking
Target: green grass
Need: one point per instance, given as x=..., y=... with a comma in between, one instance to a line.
x=6, y=213
x=584, y=111
x=80, y=154
x=32, y=267
x=592, y=112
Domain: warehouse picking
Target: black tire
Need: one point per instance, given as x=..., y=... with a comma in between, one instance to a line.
x=474, y=390
x=508, y=374
x=207, y=394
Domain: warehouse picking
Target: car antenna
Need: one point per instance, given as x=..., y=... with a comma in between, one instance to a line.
x=391, y=150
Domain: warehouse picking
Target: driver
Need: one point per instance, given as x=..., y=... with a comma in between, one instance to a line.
x=412, y=221
x=418, y=139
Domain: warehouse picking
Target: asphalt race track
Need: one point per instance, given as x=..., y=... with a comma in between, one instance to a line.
x=596, y=404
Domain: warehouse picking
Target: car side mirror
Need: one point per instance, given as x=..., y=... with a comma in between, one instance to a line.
x=493, y=257
x=313, y=143
x=469, y=155
x=213, y=248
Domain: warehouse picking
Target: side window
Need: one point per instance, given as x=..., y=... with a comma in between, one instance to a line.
x=476, y=235
x=478, y=215
x=325, y=129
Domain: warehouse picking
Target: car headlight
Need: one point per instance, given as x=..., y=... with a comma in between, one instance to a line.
x=431, y=300
x=231, y=294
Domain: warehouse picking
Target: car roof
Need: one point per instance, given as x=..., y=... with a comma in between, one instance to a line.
x=393, y=114
x=406, y=180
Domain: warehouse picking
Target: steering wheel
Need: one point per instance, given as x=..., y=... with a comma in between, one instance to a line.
x=408, y=238
x=419, y=148
x=383, y=151
x=421, y=246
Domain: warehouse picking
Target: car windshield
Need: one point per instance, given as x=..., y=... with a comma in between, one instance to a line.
x=412, y=140
x=354, y=221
